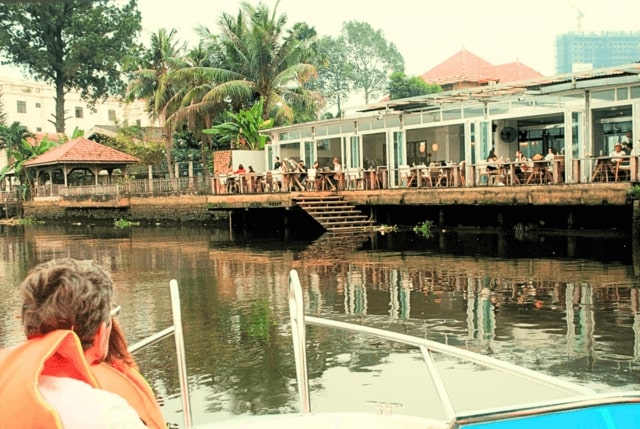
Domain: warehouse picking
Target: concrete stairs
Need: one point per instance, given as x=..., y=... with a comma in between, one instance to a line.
x=334, y=213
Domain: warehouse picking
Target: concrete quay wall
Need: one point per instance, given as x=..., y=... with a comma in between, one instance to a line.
x=208, y=208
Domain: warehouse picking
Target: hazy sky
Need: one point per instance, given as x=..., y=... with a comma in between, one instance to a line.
x=427, y=32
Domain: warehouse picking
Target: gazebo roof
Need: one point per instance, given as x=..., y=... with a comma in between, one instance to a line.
x=82, y=151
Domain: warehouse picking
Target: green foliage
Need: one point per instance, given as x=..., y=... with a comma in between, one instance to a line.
x=186, y=147
x=242, y=129
x=19, y=151
x=634, y=192
x=29, y=221
x=71, y=44
x=128, y=140
x=401, y=86
x=259, y=322
x=424, y=228
x=253, y=58
x=373, y=58
x=335, y=73
x=123, y=223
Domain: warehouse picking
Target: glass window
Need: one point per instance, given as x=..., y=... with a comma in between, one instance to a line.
x=112, y=115
x=604, y=95
x=79, y=113
x=22, y=107
x=622, y=93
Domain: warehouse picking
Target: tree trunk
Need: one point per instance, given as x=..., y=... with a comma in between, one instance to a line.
x=59, y=117
x=168, y=142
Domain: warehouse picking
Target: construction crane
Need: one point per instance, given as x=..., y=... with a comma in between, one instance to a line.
x=579, y=16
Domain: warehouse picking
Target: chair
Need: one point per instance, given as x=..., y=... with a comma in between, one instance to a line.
x=435, y=174
x=622, y=168
x=277, y=180
x=354, y=178
x=222, y=183
x=311, y=179
x=271, y=184
x=490, y=176
x=405, y=176
x=382, y=176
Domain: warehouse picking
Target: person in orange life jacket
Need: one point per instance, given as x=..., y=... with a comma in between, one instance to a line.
x=48, y=381
x=119, y=374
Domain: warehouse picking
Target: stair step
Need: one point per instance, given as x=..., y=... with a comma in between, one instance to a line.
x=324, y=204
x=330, y=212
x=360, y=222
x=334, y=213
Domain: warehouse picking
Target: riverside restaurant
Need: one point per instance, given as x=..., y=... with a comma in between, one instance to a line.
x=565, y=126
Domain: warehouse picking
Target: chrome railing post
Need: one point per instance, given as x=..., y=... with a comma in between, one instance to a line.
x=296, y=312
x=180, y=354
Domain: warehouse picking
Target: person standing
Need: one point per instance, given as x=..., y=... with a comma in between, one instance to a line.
x=49, y=380
x=337, y=173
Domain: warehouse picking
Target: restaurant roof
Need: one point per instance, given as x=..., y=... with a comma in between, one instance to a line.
x=555, y=84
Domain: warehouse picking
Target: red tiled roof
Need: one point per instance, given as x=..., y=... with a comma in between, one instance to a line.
x=513, y=72
x=467, y=67
x=82, y=151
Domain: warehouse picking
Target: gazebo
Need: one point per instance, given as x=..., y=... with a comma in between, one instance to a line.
x=81, y=155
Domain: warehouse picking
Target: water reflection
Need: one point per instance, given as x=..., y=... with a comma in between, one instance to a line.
x=568, y=306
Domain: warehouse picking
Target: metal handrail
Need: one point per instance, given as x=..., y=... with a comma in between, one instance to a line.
x=176, y=330
x=427, y=347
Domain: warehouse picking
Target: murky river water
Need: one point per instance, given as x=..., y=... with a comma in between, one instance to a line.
x=567, y=306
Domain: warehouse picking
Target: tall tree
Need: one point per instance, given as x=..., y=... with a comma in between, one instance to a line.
x=372, y=57
x=150, y=81
x=71, y=44
x=402, y=86
x=335, y=73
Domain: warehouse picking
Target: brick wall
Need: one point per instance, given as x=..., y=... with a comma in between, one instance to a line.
x=221, y=160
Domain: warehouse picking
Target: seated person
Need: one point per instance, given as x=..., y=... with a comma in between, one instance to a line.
x=493, y=163
x=617, y=153
x=520, y=164
x=551, y=153
x=58, y=377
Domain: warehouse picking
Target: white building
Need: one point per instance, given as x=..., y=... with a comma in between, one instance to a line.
x=33, y=105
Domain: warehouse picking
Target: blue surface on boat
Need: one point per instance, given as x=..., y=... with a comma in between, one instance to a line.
x=610, y=416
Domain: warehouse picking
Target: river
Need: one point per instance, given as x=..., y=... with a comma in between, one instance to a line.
x=564, y=305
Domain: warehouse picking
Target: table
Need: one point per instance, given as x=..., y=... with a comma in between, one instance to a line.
x=291, y=179
x=538, y=170
x=602, y=169
x=370, y=179
x=325, y=179
x=451, y=174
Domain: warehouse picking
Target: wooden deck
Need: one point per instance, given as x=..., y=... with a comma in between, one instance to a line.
x=592, y=194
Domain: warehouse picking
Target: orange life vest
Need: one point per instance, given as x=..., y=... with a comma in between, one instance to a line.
x=58, y=353
x=129, y=384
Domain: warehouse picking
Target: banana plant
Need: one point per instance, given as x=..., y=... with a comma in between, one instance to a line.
x=242, y=130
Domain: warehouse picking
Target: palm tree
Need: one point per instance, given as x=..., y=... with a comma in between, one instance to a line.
x=150, y=81
x=255, y=61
